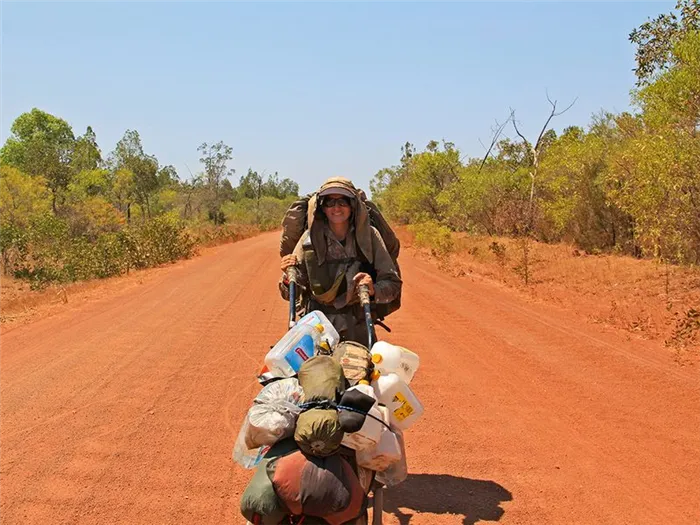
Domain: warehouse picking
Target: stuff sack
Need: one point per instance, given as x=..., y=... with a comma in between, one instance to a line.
x=322, y=487
x=354, y=405
x=318, y=430
x=259, y=503
x=321, y=378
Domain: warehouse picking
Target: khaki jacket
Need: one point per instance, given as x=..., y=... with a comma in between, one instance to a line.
x=362, y=247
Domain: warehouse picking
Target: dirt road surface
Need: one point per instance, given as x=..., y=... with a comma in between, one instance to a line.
x=124, y=409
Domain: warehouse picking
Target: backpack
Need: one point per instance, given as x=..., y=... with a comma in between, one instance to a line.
x=295, y=223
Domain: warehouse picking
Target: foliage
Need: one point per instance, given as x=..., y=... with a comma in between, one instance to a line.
x=215, y=158
x=129, y=155
x=266, y=213
x=68, y=215
x=628, y=183
x=86, y=153
x=432, y=235
x=655, y=39
x=41, y=145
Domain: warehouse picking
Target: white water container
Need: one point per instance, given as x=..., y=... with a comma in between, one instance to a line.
x=388, y=358
x=330, y=334
x=385, y=453
x=370, y=433
x=299, y=344
x=392, y=392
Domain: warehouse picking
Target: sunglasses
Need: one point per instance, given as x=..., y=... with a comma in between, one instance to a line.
x=343, y=202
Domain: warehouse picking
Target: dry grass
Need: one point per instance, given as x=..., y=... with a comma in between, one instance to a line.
x=20, y=304
x=654, y=301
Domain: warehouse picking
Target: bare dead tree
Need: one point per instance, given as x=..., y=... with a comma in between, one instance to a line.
x=496, y=134
x=535, y=151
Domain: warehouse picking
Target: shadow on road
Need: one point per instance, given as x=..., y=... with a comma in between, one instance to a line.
x=476, y=500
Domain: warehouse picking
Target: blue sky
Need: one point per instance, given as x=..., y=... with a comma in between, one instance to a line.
x=313, y=90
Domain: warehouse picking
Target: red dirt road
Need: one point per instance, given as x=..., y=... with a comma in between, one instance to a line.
x=124, y=409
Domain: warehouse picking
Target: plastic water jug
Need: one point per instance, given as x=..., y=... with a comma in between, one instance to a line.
x=330, y=334
x=385, y=453
x=299, y=344
x=388, y=358
x=370, y=433
x=404, y=407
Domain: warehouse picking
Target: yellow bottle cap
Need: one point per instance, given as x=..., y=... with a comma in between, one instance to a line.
x=363, y=382
x=320, y=327
x=375, y=375
x=325, y=346
x=377, y=358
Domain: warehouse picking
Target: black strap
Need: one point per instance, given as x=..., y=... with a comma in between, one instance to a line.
x=327, y=404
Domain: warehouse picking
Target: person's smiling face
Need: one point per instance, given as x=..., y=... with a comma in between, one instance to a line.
x=337, y=208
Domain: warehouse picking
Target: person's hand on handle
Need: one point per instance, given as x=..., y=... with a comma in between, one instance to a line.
x=288, y=261
x=364, y=279
x=288, y=264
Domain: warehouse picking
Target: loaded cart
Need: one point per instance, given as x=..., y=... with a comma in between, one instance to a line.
x=325, y=434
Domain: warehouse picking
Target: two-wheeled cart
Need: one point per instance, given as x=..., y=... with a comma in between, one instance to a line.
x=377, y=489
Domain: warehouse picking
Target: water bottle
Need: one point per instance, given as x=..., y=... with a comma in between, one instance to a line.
x=403, y=405
x=299, y=344
x=330, y=334
x=388, y=358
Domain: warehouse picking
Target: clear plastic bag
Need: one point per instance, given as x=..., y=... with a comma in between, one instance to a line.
x=272, y=417
x=396, y=472
x=243, y=455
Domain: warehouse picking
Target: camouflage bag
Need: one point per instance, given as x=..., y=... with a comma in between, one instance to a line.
x=355, y=360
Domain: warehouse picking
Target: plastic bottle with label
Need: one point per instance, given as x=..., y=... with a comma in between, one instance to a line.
x=299, y=344
x=330, y=334
x=368, y=436
x=388, y=358
x=403, y=405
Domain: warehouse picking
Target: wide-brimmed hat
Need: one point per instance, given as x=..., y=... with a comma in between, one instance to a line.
x=338, y=186
x=360, y=217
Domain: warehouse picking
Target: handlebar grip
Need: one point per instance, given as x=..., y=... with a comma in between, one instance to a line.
x=293, y=274
x=364, y=294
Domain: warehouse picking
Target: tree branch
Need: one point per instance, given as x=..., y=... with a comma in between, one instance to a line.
x=552, y=114
x=515, y=125
x=494, y=140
